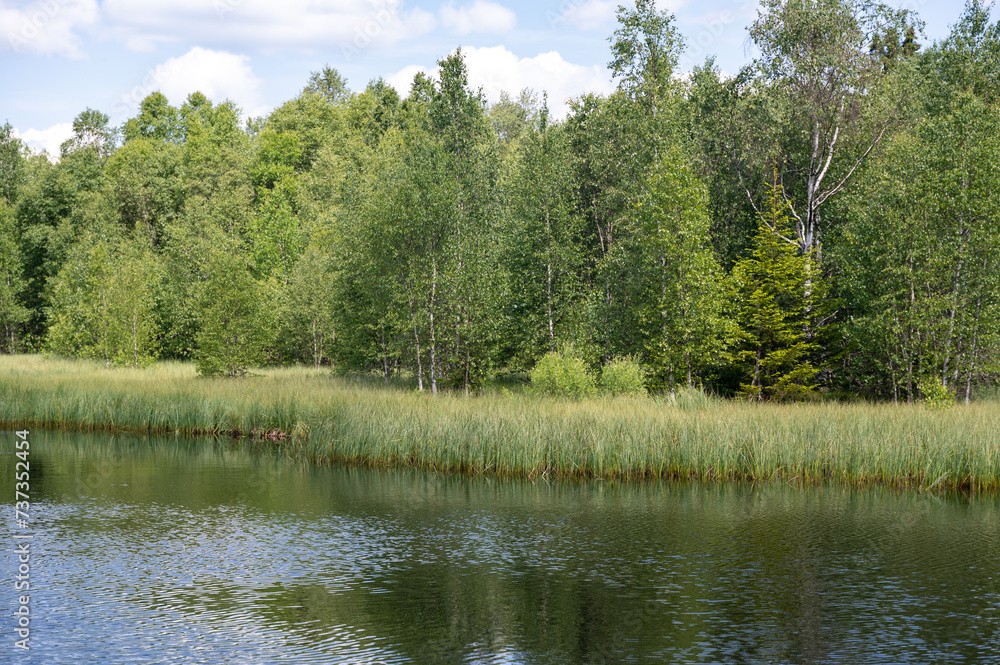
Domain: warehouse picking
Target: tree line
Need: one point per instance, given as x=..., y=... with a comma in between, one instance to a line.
x=825, y=220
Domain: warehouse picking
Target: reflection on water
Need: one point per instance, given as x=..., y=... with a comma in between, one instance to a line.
x=175, y=551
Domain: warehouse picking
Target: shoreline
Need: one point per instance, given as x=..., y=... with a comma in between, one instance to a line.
x=326, y=419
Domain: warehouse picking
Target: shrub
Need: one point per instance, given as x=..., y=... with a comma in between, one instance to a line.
x=623, y=376
x=562, y=375
x=936, y=395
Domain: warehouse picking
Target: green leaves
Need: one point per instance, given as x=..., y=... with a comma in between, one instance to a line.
x=645, y=49
x=922, y=258
x=431, y=238
x=777, y=287
x=103, y=303
x=563, y=375
x=674, y=283
x=236, y=322
x=13, y=314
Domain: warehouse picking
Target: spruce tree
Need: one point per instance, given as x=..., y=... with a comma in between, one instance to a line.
x=777, y=292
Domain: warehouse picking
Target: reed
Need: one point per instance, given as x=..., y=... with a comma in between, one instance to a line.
x=316, y=415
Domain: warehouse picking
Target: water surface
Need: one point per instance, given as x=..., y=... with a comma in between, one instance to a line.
x=180, y=551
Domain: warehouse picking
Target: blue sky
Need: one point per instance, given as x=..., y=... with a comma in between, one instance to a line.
x=58, y=57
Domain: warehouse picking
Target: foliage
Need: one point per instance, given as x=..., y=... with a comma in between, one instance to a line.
x=830, y=100
x=329, y=84
x=103, y=303
x=645, y=49
x=236, y=326
x=12, y=164
x=623, y=376
x=676, y=283
x=563, y=375
x=777, y=288
x=544, y=254
x=12, y=313
x=308, y=308
x=827, y=217
x=935, y=394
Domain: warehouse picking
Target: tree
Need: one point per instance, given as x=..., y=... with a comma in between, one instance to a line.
x=309, y=307
x=157, y=120
x=923, y=270
x=11, y=164
x=715, y=113
x=511, y=118
x=966, y=62
x=329, y=84
x=47, y=203
x=236, y=326
x=422, y=282
x=103, y=303
x=920, y=272
x=215, y=166
x=645, y=48
x=774, y=308
x=679, y=294
x=543, y=256
x=143, y=182
x=834, y=103
x=374, y=111
x=13, y=314
x=92, y=131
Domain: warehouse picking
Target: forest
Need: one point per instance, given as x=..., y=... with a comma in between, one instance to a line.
x=823, y=223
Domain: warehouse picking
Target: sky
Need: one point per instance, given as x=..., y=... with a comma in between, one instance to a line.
x=60, y=57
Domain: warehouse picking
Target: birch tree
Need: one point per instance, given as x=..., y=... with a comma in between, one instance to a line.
x=103, y=303
x=834, y=103
x=13, y=313
x=543, y=255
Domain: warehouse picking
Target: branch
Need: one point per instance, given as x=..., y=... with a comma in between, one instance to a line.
x=822, y=322
x=829, y=158
x=788, y=201
x=790, y=241
x=840, y=185
x=739, y=172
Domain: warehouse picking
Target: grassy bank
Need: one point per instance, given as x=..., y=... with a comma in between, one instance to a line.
x=332, y=419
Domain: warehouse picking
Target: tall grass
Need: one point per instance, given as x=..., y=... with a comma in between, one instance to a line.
x=313, y=414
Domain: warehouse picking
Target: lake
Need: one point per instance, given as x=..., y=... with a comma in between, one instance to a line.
x=163, y=550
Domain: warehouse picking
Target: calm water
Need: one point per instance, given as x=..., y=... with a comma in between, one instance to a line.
x=173, y=551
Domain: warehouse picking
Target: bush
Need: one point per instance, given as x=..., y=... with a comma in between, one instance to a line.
x=563, y=376
x=623, y=376
x=935, y=395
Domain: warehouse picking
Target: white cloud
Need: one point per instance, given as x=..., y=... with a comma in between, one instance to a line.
x=48, y=27
x=219, y=75
x=597, y=14
x=403, y=79
x=495, y=69
x=589, y=15
x=480, y=16
x=48, y=139
x=263, y=24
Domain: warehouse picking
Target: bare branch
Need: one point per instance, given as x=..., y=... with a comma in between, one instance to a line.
x=840, y=185
x=791, y=206
x=829, y=158
x=739, y=172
